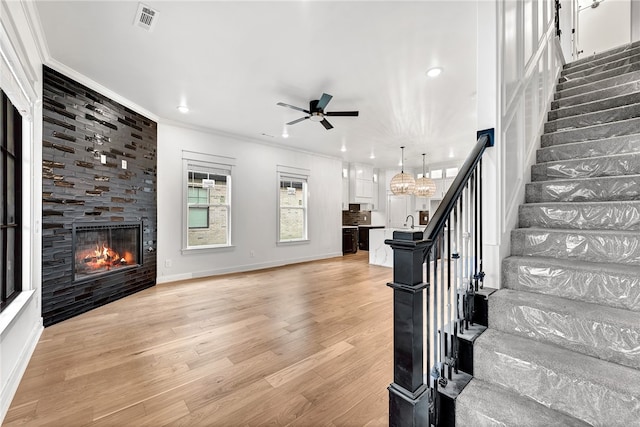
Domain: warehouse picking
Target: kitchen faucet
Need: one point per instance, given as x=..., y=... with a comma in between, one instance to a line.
x=412, y=221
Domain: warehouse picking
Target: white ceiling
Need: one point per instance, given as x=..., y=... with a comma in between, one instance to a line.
x=232, y=61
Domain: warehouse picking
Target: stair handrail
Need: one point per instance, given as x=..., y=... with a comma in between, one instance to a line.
x=438, y=221
x=436, y=273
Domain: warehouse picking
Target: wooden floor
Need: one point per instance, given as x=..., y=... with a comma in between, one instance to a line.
x=304, y=345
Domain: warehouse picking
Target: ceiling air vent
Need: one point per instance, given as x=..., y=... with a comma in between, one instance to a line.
x=146, y=17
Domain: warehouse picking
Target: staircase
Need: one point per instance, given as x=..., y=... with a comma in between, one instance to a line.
x=563, y=344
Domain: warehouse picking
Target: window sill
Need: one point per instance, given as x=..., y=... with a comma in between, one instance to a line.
x=11, y=312
x=293, y=242
x=187, y=251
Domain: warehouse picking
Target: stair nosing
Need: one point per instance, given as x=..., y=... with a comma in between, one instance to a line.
x=556, y=181
x=593, y=126
x=597, y=81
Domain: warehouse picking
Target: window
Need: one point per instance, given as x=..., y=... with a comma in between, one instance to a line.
x=208, y=202
x=11, y=202
x=451, y=172
x=436, y=174
x=292, y=207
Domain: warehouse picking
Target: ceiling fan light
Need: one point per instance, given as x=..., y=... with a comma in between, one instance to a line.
x=316, y=117
x=403, y=184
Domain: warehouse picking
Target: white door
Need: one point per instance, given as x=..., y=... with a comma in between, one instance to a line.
x=603, y=27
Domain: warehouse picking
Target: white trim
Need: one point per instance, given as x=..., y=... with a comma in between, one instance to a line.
x=244, y=268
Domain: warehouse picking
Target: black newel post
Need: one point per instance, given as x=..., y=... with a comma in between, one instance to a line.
x=408, y=395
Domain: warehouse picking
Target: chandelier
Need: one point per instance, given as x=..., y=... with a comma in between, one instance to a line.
x=402, y=183
x=425, y=187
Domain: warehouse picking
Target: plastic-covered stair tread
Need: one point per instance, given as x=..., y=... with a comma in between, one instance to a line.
x=596, y=148
x=602, y=57
x=608, y=82
x=603, y=215
x=623, y=112
x=608, y=333
x=597, y=67
x=596, y=95
x=593, y=106
x=628, y=65
x=596, y=391
x=610, y=165
x=622, y=247
x=614, y=285
x=604, y=188
x=589, y=133
x=482, y=403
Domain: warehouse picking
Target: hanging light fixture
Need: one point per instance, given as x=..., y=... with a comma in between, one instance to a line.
x=425, y=187
x=403, y=183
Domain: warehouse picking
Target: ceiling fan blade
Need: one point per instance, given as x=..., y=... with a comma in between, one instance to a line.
x=326, y=124
x=282, y=104
x=297, y=121
x=324, y=100
x=342, y=113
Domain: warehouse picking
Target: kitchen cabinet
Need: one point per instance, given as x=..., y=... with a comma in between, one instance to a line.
x=345, y=186
x=360, y=183
x=349, y=240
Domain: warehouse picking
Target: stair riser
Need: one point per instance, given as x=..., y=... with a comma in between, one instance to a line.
x=577, y=76
x=595, y=118
x=619, y=145
x=596, y=189
x=628, y=164
x=615, y=341
x=605, y=104
x=552, y=386
x=619, y=290
x=631, y=76
x=598, y=95
x=601, y=58
x=595, y=76
x=592, y=133
x=579, y=216
x=623, y=248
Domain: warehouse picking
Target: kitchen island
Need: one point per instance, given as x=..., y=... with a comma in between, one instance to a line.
x=379, y=252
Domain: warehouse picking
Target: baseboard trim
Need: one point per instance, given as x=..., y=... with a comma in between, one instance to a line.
x=11, y=385
x=243, y=268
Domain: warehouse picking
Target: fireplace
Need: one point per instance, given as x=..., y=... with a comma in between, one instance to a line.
x=101, y=248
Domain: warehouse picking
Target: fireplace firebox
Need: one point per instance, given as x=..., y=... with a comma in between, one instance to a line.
x=101, y=248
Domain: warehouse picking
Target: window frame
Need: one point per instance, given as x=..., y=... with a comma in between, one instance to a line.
x=211, y=165
x=294, y=175
x=16, y=136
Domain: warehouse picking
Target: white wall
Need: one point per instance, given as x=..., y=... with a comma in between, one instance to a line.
x=21, y=79
x=254, y=190
x=604, y=27
x=526, y=68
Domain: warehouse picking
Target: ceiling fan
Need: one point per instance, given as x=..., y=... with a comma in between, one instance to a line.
x=316, y=111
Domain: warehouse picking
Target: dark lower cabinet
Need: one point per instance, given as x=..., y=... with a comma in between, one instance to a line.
x=349, y=240
x=363, y=236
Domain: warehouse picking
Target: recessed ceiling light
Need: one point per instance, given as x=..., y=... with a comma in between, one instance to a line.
x=343, y=148
x=183, y=109
x=434, y=72
x=372, y=156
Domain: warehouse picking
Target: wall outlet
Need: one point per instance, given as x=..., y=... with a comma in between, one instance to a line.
x=168, y=263
x=103, y=159
x=252, y=254
x=124, y=164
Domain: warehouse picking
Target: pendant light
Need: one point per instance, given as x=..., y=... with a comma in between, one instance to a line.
x=425, y=187
x=403, y=183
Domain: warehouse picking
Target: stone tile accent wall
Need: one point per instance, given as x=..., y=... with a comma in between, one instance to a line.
x=80, y=126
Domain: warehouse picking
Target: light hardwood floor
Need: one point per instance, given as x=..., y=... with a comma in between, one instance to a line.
x=303, y=345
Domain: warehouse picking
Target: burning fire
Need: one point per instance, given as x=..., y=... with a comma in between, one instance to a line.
x=104, y=257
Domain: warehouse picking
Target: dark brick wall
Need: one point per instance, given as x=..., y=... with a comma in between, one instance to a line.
x=79, y=125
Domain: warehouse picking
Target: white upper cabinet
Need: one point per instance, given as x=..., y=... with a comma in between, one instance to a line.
x=360, y=183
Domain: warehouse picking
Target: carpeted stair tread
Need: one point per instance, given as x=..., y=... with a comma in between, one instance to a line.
x=614, y=246
x=601, y=58
x=624, y=112
x=584, y=189
x=617, y=80
x=629, y=65
x=593, y=132
x=596, y=95
x=610, y=165
x=604, y=215
x=607, y=333
x=569, y=76
x=596, y=391
x=483, y=404
x=594, y=106
x=613, y=285
x=596, y=148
